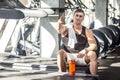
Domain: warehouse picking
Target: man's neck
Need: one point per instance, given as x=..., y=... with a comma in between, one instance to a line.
x=77, y=26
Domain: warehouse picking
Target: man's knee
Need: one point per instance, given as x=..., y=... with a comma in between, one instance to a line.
x=92, y=55
x=60, y=52
x=61, y=55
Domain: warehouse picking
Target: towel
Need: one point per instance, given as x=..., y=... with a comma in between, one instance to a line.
x=72, y=37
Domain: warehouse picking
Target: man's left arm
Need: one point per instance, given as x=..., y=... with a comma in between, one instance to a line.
x=91, y=40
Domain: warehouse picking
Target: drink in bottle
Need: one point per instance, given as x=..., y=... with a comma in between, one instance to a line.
x=72, y=68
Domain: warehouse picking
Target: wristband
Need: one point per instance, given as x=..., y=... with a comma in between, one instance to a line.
x=86, y=50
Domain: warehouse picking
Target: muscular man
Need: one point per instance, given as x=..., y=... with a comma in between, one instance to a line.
x=79, y=43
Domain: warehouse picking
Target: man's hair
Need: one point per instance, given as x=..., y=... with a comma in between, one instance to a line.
x=79, y=10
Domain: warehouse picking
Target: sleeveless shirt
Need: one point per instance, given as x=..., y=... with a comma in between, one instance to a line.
x=81, y=42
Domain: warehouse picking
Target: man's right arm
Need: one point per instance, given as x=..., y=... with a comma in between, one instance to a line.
x=62, y=29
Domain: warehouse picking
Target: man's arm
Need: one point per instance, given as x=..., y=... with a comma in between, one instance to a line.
x=62, y=29
x=91, y=40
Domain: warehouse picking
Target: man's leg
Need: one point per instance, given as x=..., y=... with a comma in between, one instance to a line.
x=62, y=61
x=92, y=58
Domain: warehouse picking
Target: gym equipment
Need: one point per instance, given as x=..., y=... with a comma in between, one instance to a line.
x=109, y=35
x=11, y=14
x=116, y=32
x=107, y=38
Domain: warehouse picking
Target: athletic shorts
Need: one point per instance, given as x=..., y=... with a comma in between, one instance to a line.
x=73, y=56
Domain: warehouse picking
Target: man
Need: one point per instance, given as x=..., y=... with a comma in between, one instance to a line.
x=79, y=43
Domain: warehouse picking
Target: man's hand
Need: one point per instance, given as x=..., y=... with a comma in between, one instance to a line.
x=62, y=18
x=81, y=54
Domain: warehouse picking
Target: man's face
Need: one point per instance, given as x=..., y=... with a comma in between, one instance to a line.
x=78, y=17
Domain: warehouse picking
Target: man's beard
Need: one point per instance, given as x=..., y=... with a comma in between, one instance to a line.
x=78, y=23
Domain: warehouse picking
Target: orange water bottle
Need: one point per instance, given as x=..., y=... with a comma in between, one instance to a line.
x=72, y=67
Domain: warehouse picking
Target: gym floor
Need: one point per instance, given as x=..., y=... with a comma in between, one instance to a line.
x=109, y=68
x=27, y=68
